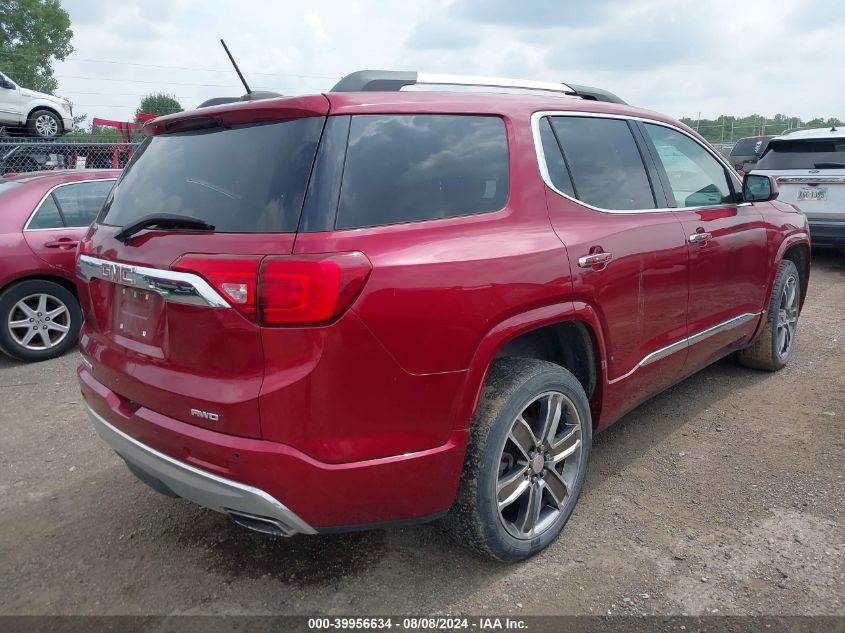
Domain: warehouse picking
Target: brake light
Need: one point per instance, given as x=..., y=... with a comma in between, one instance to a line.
x=284, y=289
x=309, y=288
x=233, y=276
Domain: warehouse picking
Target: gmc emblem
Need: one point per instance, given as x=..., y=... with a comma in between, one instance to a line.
x=118, y=273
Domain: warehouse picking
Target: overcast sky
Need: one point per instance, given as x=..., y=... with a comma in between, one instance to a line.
x=680, y=57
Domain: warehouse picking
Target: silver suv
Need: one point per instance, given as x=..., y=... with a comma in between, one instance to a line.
x=810, y=170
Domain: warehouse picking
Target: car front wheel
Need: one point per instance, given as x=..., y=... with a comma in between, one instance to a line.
x=526, y=460
x=44, y=124
x=772, y=349
x=39, y=320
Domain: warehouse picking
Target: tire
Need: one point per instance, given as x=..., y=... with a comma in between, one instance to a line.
x=524, y=388
x=44, y=124
x=770, y=352
x=20, y=304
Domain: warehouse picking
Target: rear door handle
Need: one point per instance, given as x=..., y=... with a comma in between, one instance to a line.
x=700, y=238
x=63, y=242
x=588, y=261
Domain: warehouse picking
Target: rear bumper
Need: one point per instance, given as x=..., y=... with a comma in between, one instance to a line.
x=827, y=233
x=245, y=504
x=252, y=479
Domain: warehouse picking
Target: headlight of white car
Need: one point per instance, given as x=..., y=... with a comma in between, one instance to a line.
x=66, y=106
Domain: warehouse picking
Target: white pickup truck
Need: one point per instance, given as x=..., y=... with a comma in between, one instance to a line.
x=41, y=114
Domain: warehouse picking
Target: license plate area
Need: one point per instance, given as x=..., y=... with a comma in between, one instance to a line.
x=137, y=315
x=812, y=193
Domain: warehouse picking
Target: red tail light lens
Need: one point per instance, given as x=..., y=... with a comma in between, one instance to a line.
x=284, y=289
x=309, y=288
x=234, y=277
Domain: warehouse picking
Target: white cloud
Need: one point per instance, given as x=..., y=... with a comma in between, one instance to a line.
x=675, y=56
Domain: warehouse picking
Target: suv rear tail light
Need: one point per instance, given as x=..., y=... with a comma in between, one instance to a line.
x=284, y=289
x=234, y=277
x=309, y=288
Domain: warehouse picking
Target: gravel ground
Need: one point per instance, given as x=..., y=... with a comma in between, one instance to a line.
x=723, y=495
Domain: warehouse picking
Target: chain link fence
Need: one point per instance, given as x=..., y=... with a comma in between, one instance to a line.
x=22, y=155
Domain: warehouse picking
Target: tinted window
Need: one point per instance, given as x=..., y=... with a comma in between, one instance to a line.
x=809, y=154
x=422, y=167
x=247, y=179
x=607, y=169
x=750, y=146
x=696, y=177
x=47, y=216
x=81, y=202
x=558, y=172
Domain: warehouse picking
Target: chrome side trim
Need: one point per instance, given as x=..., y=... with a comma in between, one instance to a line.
x=200, y=486
x=174, y=286
x=663, y=352
x=52, y=189
x=437, y=79
x=536, y=117
x=811, y=180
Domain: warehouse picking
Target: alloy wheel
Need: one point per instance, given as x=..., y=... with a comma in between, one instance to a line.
x=539, y=465
x=46, y=125
x=787, y=317
x=39, y=322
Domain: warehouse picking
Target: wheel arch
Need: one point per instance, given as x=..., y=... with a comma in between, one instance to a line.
x=49, y=108
x=799, y=254
x=57, y=279
x=566, y=334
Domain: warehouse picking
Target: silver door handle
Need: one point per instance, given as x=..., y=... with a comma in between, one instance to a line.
x=588, y=261
x=698, y=238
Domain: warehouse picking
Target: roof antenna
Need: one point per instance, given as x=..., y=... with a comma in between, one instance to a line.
x=237, y=70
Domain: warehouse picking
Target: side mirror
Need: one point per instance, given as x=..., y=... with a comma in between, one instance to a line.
x=759, y=188
x=8, y=85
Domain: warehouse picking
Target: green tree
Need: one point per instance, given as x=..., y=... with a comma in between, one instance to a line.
x=159, y=103
x=32, y=34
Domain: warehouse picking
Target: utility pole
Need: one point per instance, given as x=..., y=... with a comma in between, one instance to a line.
x=732, y=129
x=723, y=130
x=698, y=122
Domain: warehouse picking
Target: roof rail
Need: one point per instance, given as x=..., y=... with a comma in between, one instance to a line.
x=394, y=80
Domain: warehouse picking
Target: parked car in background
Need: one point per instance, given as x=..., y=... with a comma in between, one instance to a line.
x=26, y=155
x=42, y=218
x=747, y=151
x=373, y=306
x=42, y=115
x=809, y=166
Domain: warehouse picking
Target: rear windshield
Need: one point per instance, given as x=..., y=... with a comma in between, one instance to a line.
x=749, y=146
x=249, y=179
x=809, y=154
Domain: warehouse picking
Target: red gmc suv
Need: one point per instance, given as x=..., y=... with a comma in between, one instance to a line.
x=377, y=306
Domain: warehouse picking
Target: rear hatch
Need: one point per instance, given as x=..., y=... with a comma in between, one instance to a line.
x=810, y=173
x=170, y=304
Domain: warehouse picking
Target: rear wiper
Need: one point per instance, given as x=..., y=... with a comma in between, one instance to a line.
x=829, y=165
x=161, y=220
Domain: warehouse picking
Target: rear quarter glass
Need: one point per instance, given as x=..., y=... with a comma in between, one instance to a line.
x=409, y=168
x=244, y=179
